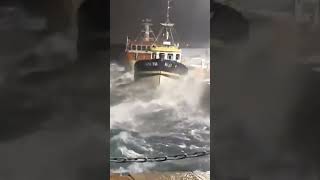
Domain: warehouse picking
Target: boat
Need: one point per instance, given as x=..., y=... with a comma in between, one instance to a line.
x=140, y=48
x=165, y=61
x=197, y=61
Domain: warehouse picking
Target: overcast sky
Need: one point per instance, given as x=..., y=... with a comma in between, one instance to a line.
x=192, y=18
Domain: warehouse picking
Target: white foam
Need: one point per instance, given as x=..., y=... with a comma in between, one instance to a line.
x=171, y=111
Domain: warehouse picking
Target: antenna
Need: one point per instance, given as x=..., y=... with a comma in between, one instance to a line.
x=127, y=43
x=168, y=11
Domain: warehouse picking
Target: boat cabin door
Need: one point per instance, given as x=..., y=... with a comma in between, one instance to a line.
x=161, y=55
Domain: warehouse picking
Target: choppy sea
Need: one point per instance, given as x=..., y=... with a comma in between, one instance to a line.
x=169, y=120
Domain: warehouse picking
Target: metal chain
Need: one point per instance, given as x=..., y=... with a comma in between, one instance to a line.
x=159, y=158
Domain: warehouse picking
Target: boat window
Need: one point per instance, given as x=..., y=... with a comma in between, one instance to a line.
x=134, y=47
x=143, y=48
x=177, y=56
x=170, y=56
x=138, y=48
x=161, y=55
x=148, y=48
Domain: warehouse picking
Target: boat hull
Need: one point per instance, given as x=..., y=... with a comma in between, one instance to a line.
x=156, y=72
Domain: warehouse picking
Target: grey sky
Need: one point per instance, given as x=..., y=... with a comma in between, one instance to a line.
x=192, y=18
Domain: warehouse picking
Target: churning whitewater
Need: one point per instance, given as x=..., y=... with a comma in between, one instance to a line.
x=169, y=120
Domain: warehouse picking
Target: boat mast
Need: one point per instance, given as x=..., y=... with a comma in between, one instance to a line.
x=167, y=26
x=168, y=12
x=147, y=30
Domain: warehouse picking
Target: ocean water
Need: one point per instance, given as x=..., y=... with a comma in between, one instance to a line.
x=169, y=120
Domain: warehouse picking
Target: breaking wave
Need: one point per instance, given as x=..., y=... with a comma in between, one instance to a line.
x=169, y=120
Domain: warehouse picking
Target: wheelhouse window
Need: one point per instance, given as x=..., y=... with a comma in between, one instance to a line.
x=143, y=48
x=161, y=56
x=170, y=56
x=139, y=48
x=134, y=47
x=177, y=56
x=148, y=48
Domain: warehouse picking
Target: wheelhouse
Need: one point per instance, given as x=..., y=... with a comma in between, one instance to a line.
x=166, y=53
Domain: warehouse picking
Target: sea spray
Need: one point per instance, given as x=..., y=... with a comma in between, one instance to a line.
x=167, y=120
